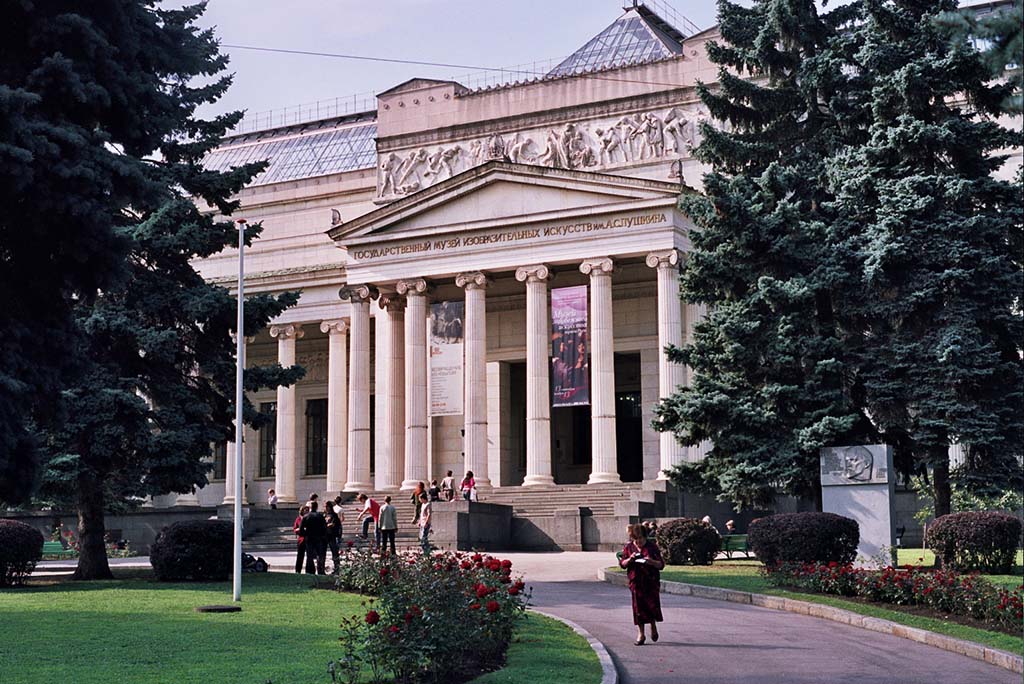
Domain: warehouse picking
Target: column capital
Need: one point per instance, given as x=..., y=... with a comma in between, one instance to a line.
x=249, y=339
x=598, y=266
x=287, y=331
x=472, y=280
x=391, y=301
x=534, y=273
x=337, y=326
x=412, y=287
x=668, y=258
x=358, y=293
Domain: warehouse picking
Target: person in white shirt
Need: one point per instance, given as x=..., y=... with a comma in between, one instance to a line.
x=272, y=499
x=424, y=523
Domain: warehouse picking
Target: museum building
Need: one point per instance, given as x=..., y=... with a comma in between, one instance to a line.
x=449, y=246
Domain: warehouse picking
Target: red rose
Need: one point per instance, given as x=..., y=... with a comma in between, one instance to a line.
x=393, y=629
x=477, y=558
x=465, y=565
x=481, y=591
x=408, y=618
x=383, y=572
x=474, y=606
x=372, y=618
x=351, y=544
x=513, y=590
x=506, y=563
x=493, y=606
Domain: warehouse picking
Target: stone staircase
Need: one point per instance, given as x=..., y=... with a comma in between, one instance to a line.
x=270, y=530
x=567, y=517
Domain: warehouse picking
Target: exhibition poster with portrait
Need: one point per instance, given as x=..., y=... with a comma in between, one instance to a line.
x=570, y=377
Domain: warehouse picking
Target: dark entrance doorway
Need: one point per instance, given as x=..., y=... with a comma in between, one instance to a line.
x=628, y=418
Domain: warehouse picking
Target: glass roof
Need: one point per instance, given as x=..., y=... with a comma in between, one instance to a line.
x=316, y=153
x=629, y=40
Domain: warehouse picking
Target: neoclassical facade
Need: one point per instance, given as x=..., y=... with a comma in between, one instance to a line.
x=487, y=199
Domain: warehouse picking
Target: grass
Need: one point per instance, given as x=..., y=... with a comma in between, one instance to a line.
x=138, y=630
x=743, y=575
x=927, y=558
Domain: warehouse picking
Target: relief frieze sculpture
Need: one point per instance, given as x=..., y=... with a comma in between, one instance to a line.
x=594, y=145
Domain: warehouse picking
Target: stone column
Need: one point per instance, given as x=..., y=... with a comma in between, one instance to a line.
x=604, y=453
x=415, y=380
x=284, y=465
x=391, y=456
x=475, y=394
x=538, y=394
x=359, y=387
x=337, y=405
x=670, y=332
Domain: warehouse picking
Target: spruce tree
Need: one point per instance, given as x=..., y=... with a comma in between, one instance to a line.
x=768, y=365
x=156, y=358
x=934, y=327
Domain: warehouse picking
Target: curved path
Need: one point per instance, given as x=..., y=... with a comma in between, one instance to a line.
x=717, y=642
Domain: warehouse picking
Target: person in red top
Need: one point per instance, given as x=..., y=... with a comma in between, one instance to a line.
x=641, y=558
x=370, y=512
x=301, y=548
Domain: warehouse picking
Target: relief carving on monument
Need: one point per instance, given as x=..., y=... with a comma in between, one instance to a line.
x=593, y=145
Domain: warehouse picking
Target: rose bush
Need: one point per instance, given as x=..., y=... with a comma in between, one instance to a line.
x=442, y=617
x=943, y=591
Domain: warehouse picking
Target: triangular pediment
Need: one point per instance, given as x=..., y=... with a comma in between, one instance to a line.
x=498, y=191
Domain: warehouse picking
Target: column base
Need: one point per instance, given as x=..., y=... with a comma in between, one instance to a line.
x=286, y=500
x=604, y=478
x=538, y=480
x=335, y=487
x=389, y=488
x=228, y=501
x=409, y=485
x=358, y=487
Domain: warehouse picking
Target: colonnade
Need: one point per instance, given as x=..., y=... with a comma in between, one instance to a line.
x=402, y=369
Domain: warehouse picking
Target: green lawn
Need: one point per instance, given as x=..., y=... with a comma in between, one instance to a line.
x=138, y=630
x=743, y=575
x=927, y=558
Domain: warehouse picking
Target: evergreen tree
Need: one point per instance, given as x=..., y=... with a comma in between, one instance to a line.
x=156, y=355
x=934, y=328
x=768, y=365
x=86, y=91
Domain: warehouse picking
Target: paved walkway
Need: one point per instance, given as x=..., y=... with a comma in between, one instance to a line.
x=715, y=642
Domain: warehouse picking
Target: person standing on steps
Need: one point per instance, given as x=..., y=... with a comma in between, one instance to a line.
x=468, y=486
x=415, y=498
x=388, y=525
x=424, y=523
x=642, y=561
x=448, y=487
x=370, y=513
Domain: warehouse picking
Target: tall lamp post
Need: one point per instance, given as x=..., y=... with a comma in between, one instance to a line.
x=239, y=369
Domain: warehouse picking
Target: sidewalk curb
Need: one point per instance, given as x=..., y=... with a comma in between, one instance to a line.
x=609, y=674
x=993, y=656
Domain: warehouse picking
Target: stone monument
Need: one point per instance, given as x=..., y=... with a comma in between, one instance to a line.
x=856, y=482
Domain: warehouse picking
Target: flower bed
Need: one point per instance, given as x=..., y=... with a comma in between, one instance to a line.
x=945, y=592
x=443, y=617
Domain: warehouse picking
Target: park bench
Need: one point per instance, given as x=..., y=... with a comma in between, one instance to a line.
x=54, y=548
x=735, y=543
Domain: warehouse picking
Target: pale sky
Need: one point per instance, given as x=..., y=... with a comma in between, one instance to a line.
x=485, y=33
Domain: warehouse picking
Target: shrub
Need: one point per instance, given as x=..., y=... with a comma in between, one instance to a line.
x=687, y=540
x=21, y=547
x=442, y=617
x=193, y=550
x=804, y=537
x=976, y=540
x=943, y=591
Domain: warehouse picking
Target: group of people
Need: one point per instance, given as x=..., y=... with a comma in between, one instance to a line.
x=316, y=531
x=384, y=519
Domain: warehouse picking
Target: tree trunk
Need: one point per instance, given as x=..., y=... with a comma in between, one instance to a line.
x=940, y=486
x=92, y=551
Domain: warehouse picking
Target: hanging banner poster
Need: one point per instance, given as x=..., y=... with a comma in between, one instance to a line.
x=446, y=358
x=570, y=366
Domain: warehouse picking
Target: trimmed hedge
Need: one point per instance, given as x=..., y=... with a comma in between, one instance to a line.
x=21, y=547
x=976, y=540
x=193, y=550
x=804, y=537
x=688, y=541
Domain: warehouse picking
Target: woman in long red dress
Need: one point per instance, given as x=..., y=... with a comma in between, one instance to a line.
x=642, y=561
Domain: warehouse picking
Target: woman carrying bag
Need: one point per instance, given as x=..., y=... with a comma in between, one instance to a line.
x=642, y=561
